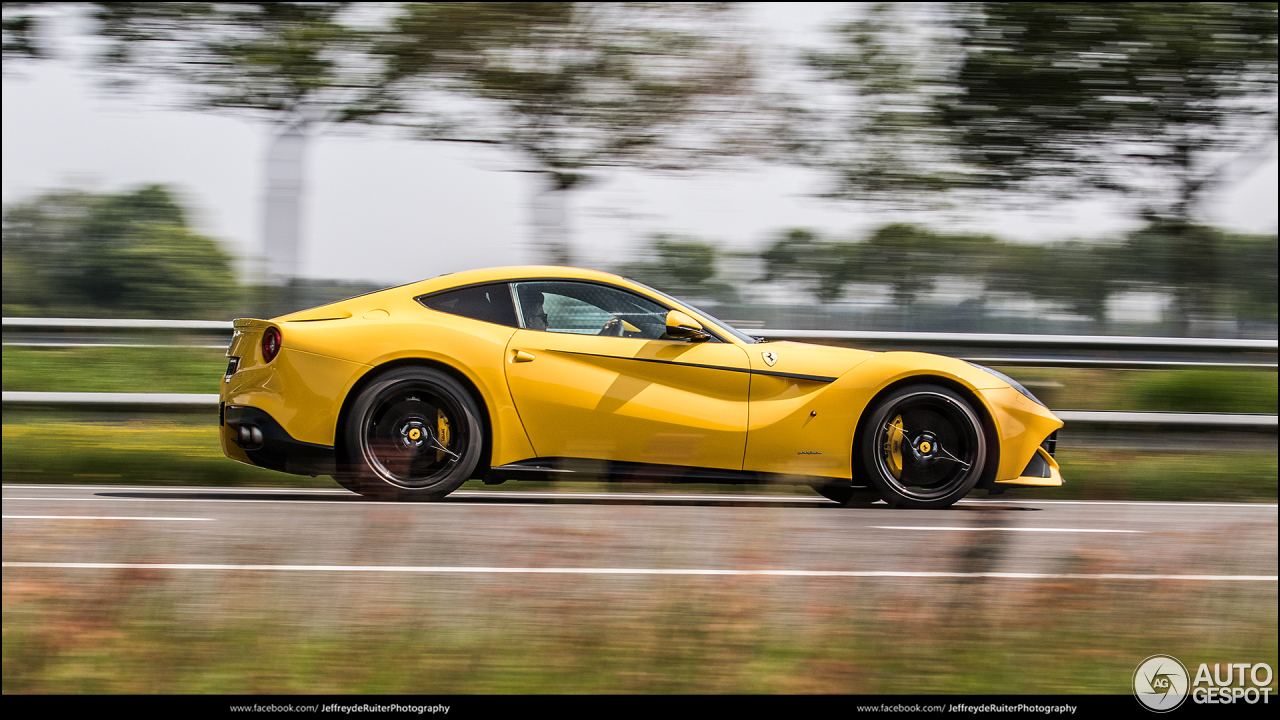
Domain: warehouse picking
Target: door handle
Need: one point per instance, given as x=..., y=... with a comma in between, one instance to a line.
x=521, y=356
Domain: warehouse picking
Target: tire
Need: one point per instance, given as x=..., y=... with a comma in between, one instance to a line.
x=923, y=447
x=392, y=439
x=848, y=496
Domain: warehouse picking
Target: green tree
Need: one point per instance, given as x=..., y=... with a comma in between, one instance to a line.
x=1085, y=96
x=1157, y=102
x=885, y=140
x=1252, y=276
x=126, y=254
x=822, y=267
x=21, y=32
x=575, y=87
x=298, y=66
x=681, y=266
x=1078, y=275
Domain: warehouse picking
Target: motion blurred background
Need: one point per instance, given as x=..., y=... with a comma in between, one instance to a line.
x=1048, y=168
x=1084, y=169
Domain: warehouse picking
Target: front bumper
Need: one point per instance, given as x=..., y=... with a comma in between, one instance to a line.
x=253, y=437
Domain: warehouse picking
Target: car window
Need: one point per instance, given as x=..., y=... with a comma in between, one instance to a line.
x=589, y=309
x=490, y=303
x=748, y=339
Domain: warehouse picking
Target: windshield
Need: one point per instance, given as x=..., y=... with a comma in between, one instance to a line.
x=710, y=318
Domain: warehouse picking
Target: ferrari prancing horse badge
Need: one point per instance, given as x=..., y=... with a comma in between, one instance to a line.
x=770, y=357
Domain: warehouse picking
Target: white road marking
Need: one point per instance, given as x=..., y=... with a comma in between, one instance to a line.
x=1003, y=529
x=1161, y=503
x=635, y=571
x=93, y=517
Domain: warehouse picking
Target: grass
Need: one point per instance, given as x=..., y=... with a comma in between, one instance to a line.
x=114, y=369
x=1221, y=391
x=52, y=449
x=198, y=370
x=133, y=631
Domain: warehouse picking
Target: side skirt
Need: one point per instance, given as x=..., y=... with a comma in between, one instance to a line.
x=584, y=470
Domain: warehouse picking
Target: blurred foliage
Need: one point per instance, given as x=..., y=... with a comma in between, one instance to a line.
x=1234, y=273
x=1079, y=276
x=280, y=58
x=1056, y=98
x=115, y=369
x=1206, y=391
x=575, y=86
x=885, y=142
x=128, y=254
x=1162, y=102
x=21, y=32
x=682, y=267
x=569, y=86
x=1105, y=95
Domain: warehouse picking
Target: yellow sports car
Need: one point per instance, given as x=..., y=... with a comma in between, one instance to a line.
x=552, y=372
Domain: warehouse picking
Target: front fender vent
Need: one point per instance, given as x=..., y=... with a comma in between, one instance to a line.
x=1038, y=467
x=1050, y=444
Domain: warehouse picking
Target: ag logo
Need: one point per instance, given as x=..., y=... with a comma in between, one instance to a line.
x=1160, y=683
x=770, y=357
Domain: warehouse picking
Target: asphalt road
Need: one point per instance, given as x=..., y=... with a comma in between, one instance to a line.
x=208, y=531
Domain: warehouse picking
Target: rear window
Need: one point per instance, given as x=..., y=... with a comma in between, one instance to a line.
x=490, y=303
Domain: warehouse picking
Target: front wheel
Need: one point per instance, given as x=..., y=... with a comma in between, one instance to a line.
x=923, y=447
x=412, y=434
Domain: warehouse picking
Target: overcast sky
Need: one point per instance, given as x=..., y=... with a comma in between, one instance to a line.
x=390, y=210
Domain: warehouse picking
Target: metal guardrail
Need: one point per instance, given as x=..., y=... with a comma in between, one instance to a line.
x=108, y=323
x=1018, y=339
x=117, y=401
x=1082, y=351
x=209, y=401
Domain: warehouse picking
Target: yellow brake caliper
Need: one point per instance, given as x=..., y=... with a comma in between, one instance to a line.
x=442, y=432
x=893, y=447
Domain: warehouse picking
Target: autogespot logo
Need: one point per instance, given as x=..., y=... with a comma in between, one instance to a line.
x=1160, y=683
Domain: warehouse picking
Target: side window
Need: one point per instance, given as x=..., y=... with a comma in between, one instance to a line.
x=490, y=303
x=587, y=309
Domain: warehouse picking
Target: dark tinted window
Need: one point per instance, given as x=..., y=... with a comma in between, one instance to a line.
x=490, y=303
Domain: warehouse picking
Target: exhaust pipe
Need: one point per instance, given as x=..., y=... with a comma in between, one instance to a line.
x=249, y=436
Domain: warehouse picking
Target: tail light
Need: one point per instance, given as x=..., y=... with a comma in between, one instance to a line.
x=270, y=344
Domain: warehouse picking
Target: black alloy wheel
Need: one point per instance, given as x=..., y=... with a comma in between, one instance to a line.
x=923, y=447
x=412, y=434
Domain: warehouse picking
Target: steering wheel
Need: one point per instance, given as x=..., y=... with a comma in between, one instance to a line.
x=613, y=328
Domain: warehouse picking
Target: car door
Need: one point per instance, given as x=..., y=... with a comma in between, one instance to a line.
x=594, y=375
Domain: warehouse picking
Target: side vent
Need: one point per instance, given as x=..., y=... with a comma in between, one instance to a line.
x=1050, y=444
x=1038, y=467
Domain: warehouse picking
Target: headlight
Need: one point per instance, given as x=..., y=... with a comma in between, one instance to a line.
x=1013, y=383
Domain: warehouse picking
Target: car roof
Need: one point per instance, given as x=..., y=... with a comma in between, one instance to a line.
x=517, y=272
x=462, y=279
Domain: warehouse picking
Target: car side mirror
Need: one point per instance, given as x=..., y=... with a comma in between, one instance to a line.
x=680, y=325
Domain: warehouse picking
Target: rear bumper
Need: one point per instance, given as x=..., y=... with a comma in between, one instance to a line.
x=253, y=437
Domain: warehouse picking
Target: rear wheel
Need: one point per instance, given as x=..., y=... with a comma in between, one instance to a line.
x=923, y=447
x=412, y=434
